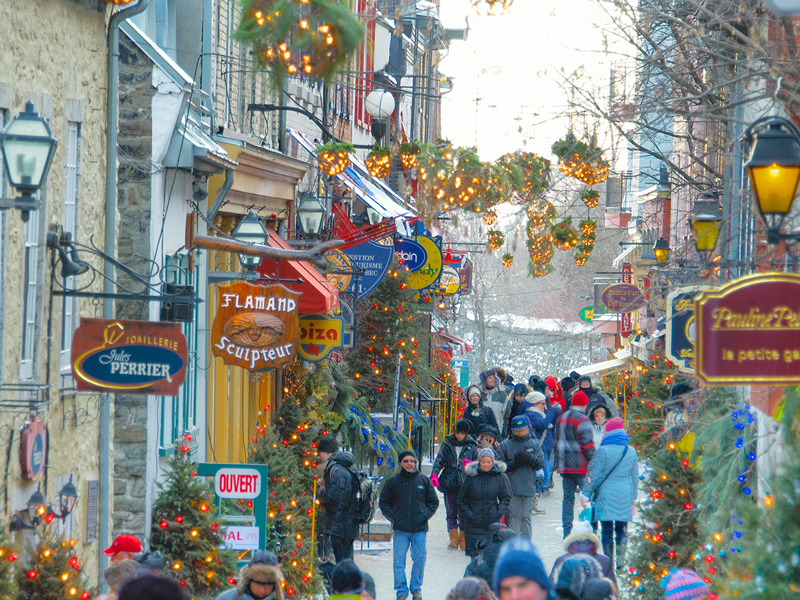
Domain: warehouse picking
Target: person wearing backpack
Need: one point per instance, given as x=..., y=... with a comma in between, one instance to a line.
x=409, y=500
x=337, y=498
x=448, y=475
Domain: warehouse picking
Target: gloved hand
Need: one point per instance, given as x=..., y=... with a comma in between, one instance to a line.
x=523, y=458
x=435, y=480
x=584, y=501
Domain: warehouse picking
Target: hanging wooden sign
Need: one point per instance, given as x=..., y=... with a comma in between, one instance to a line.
x=256, y=326
x=33, y=448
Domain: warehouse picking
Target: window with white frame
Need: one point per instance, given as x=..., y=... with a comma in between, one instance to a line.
x=69, y=320
x=31, y=283
x=2, y=243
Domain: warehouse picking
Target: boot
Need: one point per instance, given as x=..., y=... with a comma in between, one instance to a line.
x=536, y=510
x=453, y=539
x=462, y=542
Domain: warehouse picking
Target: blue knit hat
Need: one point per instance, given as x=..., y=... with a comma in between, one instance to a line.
x=519, y=558
x=519, y=423
x=483, y=452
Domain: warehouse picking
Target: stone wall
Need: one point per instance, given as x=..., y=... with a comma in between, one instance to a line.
x=134, y=176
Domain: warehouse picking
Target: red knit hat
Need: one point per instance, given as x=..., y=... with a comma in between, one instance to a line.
x=551, y=382
x=579, y=398
x=614, y=424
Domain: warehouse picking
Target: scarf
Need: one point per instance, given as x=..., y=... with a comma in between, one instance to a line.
x=615, y=438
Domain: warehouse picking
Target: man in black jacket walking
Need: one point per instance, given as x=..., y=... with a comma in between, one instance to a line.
x=409, y=500
x=337, y=497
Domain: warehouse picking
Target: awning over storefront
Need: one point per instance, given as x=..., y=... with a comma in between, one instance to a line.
x=617, y=263
x=318, y=296
x=619, y=361
x=457, y=341
x=371, y=191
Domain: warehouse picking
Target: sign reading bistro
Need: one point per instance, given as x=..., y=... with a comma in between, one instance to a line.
x=748, y=332
x=256, y=326
x=130, y=357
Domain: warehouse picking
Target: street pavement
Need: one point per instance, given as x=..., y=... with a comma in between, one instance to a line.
x=444, y=567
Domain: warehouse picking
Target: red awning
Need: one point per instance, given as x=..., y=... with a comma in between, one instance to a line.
x=318, y=296
x=465, y=347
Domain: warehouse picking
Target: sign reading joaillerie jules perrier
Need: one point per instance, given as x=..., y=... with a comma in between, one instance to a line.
x=748, y=331
x=256, y=326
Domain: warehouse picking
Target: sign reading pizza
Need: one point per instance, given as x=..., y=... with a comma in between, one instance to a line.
x=256, y=326
x=130, y=357
x=748, y=332
x=319, y=336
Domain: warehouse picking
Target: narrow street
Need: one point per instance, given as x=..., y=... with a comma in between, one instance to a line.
x=444, y=567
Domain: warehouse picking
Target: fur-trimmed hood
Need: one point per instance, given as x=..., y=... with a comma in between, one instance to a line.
x=472, y=468
x=583, y=543
x=264, y=573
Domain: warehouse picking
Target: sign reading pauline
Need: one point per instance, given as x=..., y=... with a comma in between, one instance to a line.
x=256, y=325
x=132, y=357
x=749, y=331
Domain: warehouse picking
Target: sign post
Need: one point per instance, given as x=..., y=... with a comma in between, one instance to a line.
x=242, y=482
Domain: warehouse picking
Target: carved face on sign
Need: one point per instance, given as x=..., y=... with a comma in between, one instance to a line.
x=256, y=326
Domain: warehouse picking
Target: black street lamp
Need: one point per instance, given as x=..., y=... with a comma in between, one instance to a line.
x=27, y=145
x=774, y=170
x=67, y=498
x=311, y=215
x=252, y=231
x=661, y=250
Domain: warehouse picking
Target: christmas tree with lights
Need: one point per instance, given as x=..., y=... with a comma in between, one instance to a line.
x=187, y=532
x=646, y=406
x=8, y=557
x=52, y=571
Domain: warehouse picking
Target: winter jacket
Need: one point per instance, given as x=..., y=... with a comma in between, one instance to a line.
x=479, y=415
x=337, y=497
x=483, y=565
x=596, y=398
x=257, y=572
x=542, y=423
x=496, y=399
x=616, y=496
x=574, y=442
x=584, y=543
x=521, y=475
x=409, y=500
x=149, y=563
x=485, y=496
x=449, y=466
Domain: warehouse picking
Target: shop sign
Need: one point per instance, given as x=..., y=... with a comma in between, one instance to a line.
x=681, y=328
x=622, y=298
x=240, y=537
x=345, y=311
x=33, y=449
x=627, y=276
x=372, y=259
x=319, y=336
x=586, y=314
x=449, y=281
x=256, y=326
x=237, y=483
x=748, y=332
x=465, y=277
x=412, y=255
x=428, y=275
x=130, y=357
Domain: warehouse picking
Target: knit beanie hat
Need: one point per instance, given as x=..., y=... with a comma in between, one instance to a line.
x=615, y=424
x=574, y=375
x=327, y=444
x=521, y=389
x=473, y=389
x=567, y=384
x=518, y=558
x=346, y=578
x=463, y=425
x=579, y=398
x=485, y=452
x=405, y=453
x=684, y=584
x=535, y=398
x=584, y=378
x=551, y=382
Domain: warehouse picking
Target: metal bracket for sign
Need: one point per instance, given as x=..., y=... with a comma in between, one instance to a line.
x=24, y=397
x=250, y=276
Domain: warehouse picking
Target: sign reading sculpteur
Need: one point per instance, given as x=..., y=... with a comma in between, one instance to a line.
x=428, y=275
x=622, y=298
x=131, y=357
x=256, y=326
x=748, y=332
x=682, y=328
x=319, y=336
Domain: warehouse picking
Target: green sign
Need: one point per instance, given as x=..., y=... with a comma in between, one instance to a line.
x=586, y=314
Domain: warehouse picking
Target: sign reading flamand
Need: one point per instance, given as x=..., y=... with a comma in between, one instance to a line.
x=255, y=326
x=749, y=331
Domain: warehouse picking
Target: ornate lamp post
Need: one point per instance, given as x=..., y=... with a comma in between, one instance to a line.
x=250, y=230
x=311, y=215
x=661, y=250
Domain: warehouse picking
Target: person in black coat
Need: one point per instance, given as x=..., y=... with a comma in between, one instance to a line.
x=475, y=411
x=408, y=500
x=337, y=495
x=448, y=474
x=483, y=565
x=518, y=396
x=484, y=498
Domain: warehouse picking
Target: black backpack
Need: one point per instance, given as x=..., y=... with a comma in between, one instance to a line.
x=366, y=495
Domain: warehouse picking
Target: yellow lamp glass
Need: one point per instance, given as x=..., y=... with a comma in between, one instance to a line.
x=706, y=234
x=775, y=187
x=661, y=254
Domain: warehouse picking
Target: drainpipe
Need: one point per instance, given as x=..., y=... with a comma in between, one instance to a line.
x=112, y=114
x=221, y=194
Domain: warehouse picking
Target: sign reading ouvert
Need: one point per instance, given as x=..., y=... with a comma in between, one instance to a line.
x=256, y=326
x=748, y=332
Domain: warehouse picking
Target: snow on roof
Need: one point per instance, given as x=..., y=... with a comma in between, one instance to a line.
x=533, y=324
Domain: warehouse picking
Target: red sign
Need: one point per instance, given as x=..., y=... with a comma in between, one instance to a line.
x=748, y=331
x=130, y=357
x=237, y=483
x=256, y=326
x=33, y=448
x=627, y=275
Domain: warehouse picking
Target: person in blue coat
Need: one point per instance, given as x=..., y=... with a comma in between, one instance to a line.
x=614, y=476
x=542, y=420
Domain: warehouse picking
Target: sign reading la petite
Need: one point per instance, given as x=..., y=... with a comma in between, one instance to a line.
x=255, y=326
x=749, y=331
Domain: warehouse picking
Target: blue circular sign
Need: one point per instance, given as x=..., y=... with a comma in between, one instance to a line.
x=411, y=253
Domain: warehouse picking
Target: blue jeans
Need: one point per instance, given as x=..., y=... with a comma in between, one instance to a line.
x=400, y=545
x=549, y=461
